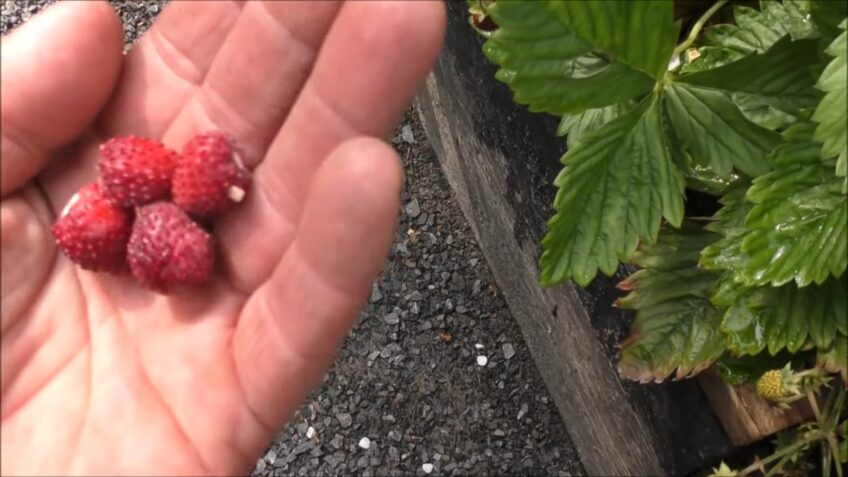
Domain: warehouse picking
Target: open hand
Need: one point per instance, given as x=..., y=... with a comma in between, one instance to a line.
x=102, y=377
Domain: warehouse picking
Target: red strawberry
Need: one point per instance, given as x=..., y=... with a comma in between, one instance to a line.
x=168, y=250
x=210, y=177
x=93, y=231
x=136, y=171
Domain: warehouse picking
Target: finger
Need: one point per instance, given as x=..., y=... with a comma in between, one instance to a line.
x=369, y=67
x=57, y=72
x=26, y=252
x=248, y=87
x=257, y=74
x=160, y=74
x=291, y=327
x=167, y=66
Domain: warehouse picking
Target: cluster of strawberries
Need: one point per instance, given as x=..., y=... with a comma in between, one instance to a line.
x=147, y=212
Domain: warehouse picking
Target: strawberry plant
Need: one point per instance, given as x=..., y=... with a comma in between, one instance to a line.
x=739, y=101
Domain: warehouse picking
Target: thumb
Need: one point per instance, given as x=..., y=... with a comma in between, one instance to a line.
x=58, y=70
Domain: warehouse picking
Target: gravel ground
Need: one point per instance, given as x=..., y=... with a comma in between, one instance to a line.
x=436, y=377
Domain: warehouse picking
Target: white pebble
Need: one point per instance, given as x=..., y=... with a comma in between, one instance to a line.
x=427, y=468
x=478, y=346
x=310, y=433
x=365, y=443
x=407, y=135
x=482, y=360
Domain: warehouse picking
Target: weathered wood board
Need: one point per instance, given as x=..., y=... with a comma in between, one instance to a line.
x=500, y=161
x=747, y=418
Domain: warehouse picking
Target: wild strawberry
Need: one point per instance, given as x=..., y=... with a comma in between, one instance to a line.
x=136, y=171
x=93, y=231
x=168, y=250
x=209, y=177
x=771, y=385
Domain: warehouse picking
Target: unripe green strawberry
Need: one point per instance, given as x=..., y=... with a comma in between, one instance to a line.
x=771, y=386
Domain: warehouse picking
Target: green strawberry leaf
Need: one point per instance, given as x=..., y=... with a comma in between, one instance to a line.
x=782, y=75
x=798, y=227
x=760, y=317
x=832, y=113
x=575, y=125
x=729, y=221
x=710, y=57
x=758, y=110
x=730, y=218
x=617, y=184
x=675, y=249
x=711, y=127
x=834, y=359
x=617, y=28
x=552, y=70
x=676, y=327
x=777, y=318
x=703, y=179
x=756, y=31
x=792, y=14
x=697, y=176
x=827, y=15
x=789, y=225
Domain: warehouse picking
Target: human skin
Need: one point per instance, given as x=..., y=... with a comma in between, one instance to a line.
x=101, y=377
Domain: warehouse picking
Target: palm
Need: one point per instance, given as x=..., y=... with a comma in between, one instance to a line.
x=99, y=376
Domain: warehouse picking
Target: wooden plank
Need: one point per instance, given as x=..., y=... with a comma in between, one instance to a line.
x=610, y=436
x=745, y=416
x=500, y=161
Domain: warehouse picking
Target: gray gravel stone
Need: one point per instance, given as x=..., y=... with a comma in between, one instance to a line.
x=391, y=318
x=407, y=135
x=508, y=351
x=376, y=294
x=523, y=411
x=412, y=209
x=302, y=447
x=345, y=419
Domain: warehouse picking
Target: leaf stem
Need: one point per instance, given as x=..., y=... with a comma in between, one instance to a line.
x=797, y=446
x=811, y=398
x=696, y=29
x=828, y=436
x=779, y=466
